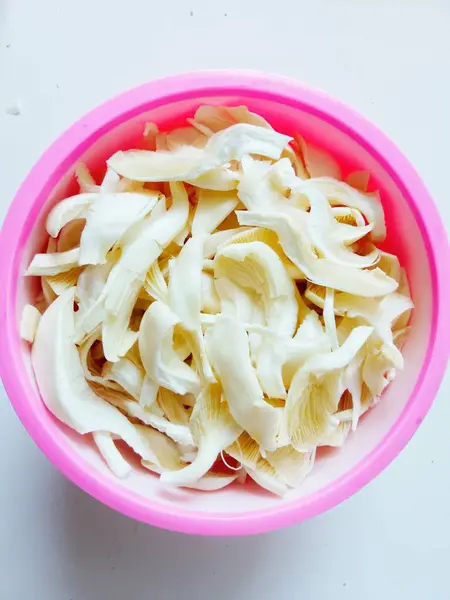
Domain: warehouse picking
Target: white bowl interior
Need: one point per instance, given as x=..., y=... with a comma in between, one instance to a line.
x=404, y=238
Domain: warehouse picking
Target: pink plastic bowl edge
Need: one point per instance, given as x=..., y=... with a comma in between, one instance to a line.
x=55, y=163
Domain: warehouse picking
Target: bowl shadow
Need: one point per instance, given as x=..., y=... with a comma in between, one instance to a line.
x=112, y=556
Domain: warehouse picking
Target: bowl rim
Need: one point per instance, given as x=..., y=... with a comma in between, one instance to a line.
x=64, y=152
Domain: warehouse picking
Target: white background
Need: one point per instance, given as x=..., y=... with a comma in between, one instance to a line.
x=390, y=60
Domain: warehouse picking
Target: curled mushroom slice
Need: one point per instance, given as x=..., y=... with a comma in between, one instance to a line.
x=315, y=392
x=240, y=385
x=247, y=452
x=53, y=263
x=259, y=234
x=188, y=162
x=210, y=119
x=367, y=283
x=256, y=267
x=75, y=207
x=340, y=194
x=159, y=358
x=327, y=235
x=213, y=429
x=107, y=219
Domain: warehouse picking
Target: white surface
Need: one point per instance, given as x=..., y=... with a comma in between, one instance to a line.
x=389, y=59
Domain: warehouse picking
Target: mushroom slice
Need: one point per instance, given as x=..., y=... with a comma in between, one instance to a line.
x=240, y=385
x=213, y=429
x=188, y=162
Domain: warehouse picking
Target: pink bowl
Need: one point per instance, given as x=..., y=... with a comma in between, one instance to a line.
x=415, y=233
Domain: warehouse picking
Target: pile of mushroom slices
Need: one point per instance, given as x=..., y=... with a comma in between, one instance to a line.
x=218, y=304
